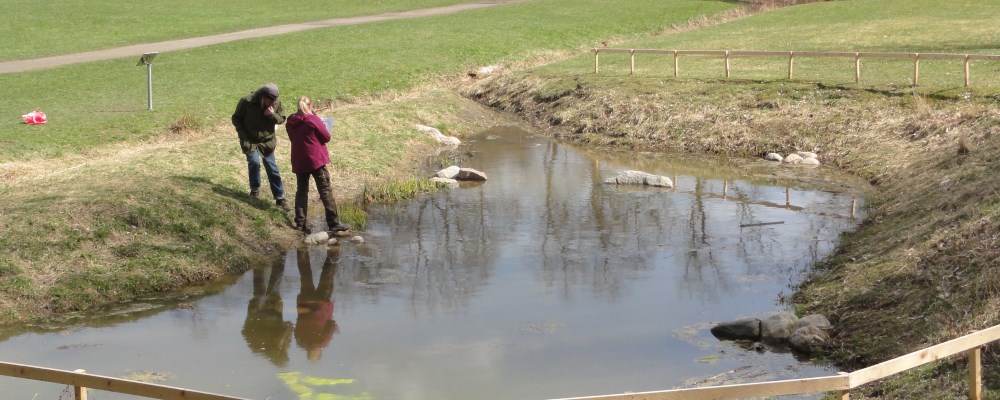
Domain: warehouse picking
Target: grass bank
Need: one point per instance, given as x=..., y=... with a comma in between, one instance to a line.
x=921, y=269
x=109, y=202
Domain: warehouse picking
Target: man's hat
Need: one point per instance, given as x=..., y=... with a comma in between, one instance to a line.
x=270, y=90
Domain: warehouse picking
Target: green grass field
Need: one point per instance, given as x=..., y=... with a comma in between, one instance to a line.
x=48, y=28
x=105, y=102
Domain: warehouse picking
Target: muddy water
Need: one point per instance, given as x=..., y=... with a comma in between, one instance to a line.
x=541, y=283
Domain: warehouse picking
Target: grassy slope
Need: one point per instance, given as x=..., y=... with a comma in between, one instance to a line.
x=107, y=202
x=921, y=269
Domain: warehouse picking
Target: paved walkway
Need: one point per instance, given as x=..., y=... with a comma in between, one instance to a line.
x=180, y=44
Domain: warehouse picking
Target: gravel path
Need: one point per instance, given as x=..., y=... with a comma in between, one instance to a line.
x=180, y=44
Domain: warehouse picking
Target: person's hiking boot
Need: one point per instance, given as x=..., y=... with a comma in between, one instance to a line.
x=254, y=194
x=283, y=204
x=339, y=227
x=304, y=229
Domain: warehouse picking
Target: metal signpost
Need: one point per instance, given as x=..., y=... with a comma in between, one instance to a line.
x=147, y=60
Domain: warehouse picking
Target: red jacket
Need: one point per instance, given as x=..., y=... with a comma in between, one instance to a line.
x=308, y=137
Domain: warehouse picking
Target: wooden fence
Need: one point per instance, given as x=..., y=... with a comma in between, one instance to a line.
x=840, y=384
x=81, y=380
x=729, y=54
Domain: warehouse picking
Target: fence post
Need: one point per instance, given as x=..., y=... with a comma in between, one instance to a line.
x=727, y=63
x=597, y=61
x=677, y=70
x=631, y=54
x=916, y=68
x=966, y=70
x=79, y=392
x=791, y=63
x=975, y=374
x=857, y=67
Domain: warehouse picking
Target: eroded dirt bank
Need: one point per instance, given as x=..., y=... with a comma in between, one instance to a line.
x=919, y=271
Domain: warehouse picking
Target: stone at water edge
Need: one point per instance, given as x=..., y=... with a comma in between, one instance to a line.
x=450, y=183
x=469, y=174
x=774, y=157
x=808, y=338
x=778, y=326
x=448, y=173
x=631, y=177
x=743, y=329
x=317, y=238
x=792, y=159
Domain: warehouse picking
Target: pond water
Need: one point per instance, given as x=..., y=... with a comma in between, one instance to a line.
x=542, y=282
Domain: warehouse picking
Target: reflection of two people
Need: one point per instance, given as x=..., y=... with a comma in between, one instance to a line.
x=266, y=331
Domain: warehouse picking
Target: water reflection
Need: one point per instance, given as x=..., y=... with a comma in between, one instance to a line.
x=265, y=329
x=315, y=326
x=543, y=282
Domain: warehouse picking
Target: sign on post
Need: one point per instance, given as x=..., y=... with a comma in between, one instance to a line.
x=147, y=60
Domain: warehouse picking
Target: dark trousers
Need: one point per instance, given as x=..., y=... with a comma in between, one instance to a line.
x=322, y=178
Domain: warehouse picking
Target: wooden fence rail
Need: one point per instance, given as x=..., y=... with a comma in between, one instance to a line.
x=840, y=384
x=728, y=54
x=81, y=380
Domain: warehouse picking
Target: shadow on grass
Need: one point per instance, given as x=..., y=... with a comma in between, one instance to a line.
x=196, y=182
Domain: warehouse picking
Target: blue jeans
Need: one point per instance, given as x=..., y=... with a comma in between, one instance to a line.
x=273, y=176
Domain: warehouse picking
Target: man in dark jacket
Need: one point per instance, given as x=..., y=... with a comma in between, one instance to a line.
x=255, y=118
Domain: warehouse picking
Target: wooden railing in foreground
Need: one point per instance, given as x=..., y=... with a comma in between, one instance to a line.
x=81, y=381
x=841, y=384
x=728, y=54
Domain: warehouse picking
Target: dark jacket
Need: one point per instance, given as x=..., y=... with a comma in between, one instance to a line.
x=308, y=137
x=255, y=129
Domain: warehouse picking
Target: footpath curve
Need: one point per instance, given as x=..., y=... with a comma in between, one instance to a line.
x=181, y=44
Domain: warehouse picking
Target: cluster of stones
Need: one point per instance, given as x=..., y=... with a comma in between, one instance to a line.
x=799, y=157
x=450, y=176
x=640, y=178
x=804, y=334
x=323, y=237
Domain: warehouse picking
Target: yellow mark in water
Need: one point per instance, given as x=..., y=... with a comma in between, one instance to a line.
x=307, y=387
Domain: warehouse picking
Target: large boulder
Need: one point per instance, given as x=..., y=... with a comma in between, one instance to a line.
x=448, y=173
x=640, y=178
x=743, y=329
x=469, y=174
x=778, y=326
x=818, y=320
x=808, y=338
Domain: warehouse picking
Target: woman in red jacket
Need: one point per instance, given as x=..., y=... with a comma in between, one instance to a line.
x=309, y=136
